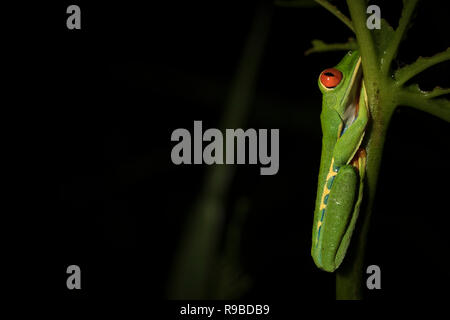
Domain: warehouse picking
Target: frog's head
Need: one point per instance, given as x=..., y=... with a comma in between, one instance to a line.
x=341, y=86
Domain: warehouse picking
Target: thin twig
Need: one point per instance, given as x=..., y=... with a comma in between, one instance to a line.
x=320, y=46
x=436, y=92
x=404, y=74
x=334, y=10
x=420, y=101
x=392, y=49
x=366, y=45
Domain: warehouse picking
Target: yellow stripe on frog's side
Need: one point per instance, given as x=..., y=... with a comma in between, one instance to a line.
x=326, y=191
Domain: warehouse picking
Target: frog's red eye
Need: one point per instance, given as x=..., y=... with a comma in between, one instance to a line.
x=330, y=78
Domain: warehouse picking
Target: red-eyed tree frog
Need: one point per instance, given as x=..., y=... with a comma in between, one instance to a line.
x=344, y=117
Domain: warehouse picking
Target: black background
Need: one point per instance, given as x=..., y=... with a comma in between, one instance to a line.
x=94, y=110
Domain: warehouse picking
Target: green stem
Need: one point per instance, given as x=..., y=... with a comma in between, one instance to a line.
x=382, y=104
x=436, y=92
x=334, y=10
x=320, y=46
x=349, y=275
x=437, y=107
x=366, y=46
x=404, y=74
x=391, y=51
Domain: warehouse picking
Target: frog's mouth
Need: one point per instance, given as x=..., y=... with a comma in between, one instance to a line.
x=351, y=101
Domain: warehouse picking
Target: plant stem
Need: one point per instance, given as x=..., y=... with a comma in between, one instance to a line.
x=391, y=51
x=404, y=74
x=437, y=107
x=366, y=46
x=349, y=276
x=334, y=10
x=320, y=46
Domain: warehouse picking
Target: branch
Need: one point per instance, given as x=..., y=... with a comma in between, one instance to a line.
x=334, y=10
x=424, y=102
x=436, y=92
x=366, y=45
x=320, y=46
x=422, y=63
x=391, y=51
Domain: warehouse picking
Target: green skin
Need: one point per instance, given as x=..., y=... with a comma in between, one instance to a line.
x=335, y=215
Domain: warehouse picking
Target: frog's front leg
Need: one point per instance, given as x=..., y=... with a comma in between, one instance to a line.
x=352, y=133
